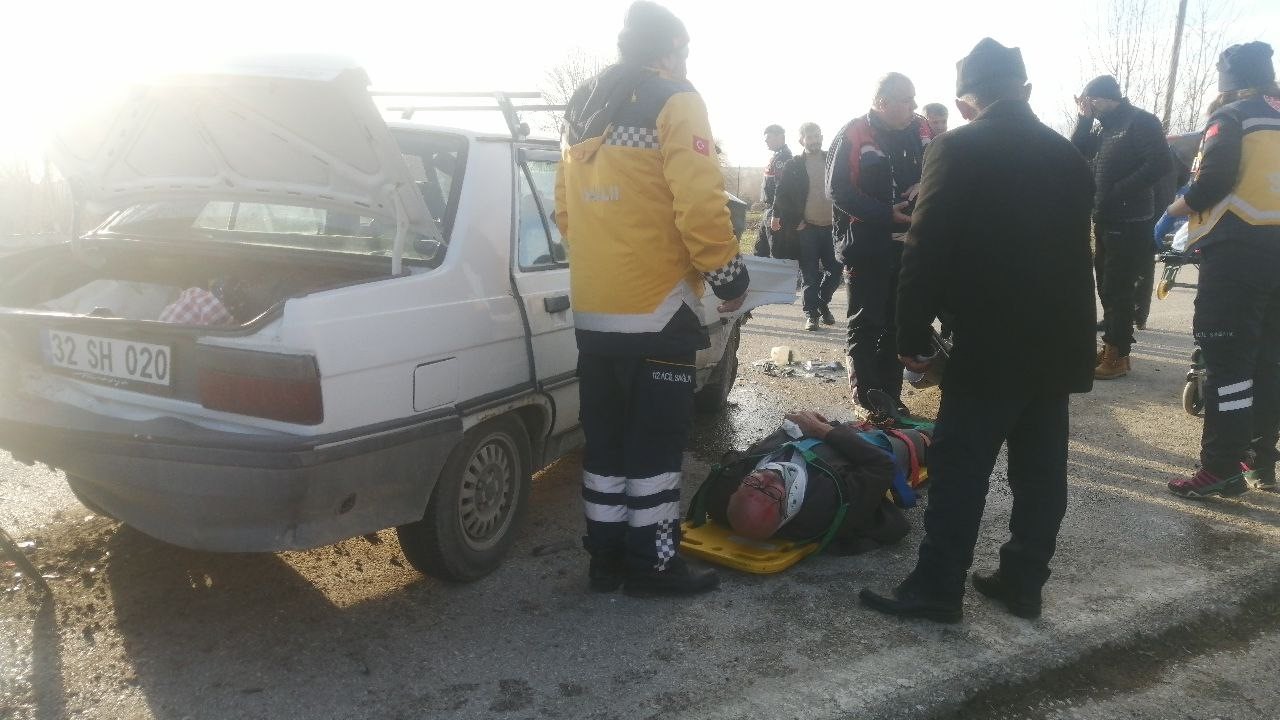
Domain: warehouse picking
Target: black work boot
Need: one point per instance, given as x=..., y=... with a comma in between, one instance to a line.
x=908, y=601
x=676, y=579
x=1020, y=601
x=1258, y=474
x=607, y=568
x=827, y=317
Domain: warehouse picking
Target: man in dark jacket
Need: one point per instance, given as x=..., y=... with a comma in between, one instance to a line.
x=1129, y=155
x=873, y=173
x=1009, y=264
x=775, y=138
x=1163, y=193
x=801, y=210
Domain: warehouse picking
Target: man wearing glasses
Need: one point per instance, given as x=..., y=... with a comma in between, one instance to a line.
x=873, y=176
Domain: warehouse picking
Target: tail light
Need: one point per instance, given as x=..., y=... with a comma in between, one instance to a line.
x=266, y=385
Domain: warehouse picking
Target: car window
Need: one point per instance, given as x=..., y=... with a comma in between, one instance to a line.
x=253, y=223
x=435, y=161
x=538, y=241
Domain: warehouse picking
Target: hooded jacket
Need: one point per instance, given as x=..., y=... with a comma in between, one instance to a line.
x=640, y=201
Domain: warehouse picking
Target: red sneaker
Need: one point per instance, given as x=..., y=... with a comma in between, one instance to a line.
x=1205, y=484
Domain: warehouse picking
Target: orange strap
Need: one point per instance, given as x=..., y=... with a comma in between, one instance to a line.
x=913, y=476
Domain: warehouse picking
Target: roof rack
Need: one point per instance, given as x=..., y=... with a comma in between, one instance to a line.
x=502, y=101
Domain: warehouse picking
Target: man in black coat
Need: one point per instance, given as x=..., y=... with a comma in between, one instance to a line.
x=1009, y=264
x=1129, y=155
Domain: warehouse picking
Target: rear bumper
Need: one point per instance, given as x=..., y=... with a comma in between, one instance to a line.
x=212, y=490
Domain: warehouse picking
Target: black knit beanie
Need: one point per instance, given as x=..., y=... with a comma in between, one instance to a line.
x=1103, y=87
x=1245, y=66
x=989, y=64
x=649, y=32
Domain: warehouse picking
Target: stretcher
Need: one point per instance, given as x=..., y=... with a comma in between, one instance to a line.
x=717, y=544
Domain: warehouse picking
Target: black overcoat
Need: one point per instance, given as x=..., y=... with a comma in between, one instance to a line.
x=999, y=246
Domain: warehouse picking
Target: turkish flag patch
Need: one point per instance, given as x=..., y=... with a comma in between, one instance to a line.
x=1213, y=130
x=701, y=146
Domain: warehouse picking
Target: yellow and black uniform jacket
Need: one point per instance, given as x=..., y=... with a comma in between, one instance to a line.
x=1236, y=186
x=641, y=203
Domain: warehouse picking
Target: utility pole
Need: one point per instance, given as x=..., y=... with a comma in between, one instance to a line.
x=1173, y=63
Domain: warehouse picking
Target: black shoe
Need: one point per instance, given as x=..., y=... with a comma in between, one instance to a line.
x=872, y=416
x=908, y=418
x=827, y=317
x=1023, y=603
x=913, y=604
x=1261, y=477
x=607, y=569
x=606, y=573
x=677, y=579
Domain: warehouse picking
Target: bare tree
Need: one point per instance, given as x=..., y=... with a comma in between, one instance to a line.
x=31, y=203
x=1132, y=40
x=563, y=78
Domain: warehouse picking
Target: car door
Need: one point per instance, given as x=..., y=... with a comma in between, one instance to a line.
x=541, y=272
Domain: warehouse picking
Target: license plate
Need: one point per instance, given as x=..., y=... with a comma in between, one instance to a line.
x=109, y=357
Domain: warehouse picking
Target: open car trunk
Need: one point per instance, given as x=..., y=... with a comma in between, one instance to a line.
x=145, y=316
x=181, y=284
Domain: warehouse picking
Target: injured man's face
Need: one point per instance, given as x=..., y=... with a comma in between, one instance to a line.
x=755, y=508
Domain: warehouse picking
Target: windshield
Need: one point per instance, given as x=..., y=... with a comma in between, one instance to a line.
x=435, y=163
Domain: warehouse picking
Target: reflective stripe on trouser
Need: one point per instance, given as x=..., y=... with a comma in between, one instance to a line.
x=1237, y=326
x=636, y=414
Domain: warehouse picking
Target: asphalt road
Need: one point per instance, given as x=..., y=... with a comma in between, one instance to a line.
x=1158, y=607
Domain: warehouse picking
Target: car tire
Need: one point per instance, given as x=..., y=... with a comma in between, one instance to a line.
x=714, y=396
x=476, y=506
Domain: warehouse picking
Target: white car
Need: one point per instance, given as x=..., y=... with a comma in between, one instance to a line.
x=301, y=323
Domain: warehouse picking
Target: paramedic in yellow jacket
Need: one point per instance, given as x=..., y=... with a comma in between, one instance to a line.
x=1234, y=208
x=641, y=203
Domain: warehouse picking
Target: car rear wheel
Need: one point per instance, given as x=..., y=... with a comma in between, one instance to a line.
x=476, y=506
x=714, y=396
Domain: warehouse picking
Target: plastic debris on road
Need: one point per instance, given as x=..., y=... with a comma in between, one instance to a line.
x=826, y=371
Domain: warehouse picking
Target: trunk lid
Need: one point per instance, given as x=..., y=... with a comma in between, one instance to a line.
x=287, y=130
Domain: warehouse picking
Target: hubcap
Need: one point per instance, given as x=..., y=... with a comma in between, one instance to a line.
x=488, y=492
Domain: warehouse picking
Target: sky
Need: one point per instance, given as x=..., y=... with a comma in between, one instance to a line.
x=755, y=62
